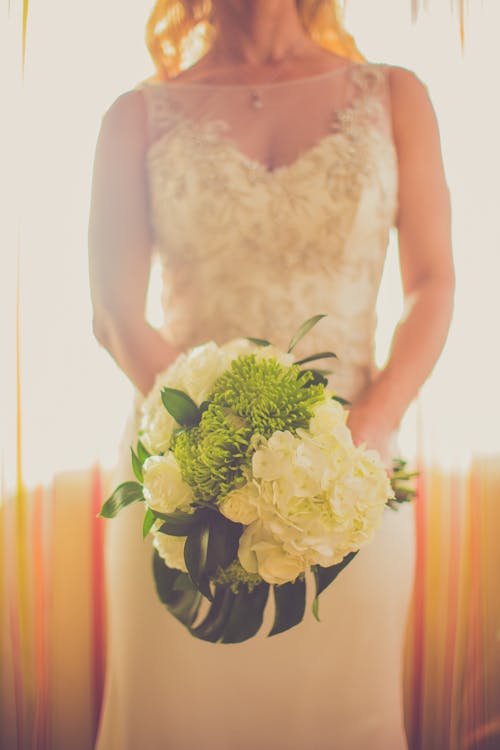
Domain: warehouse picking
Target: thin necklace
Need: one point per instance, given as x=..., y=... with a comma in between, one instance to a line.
x=256, y=101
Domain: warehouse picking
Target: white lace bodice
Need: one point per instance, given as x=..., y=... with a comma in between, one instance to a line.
x=251, y=251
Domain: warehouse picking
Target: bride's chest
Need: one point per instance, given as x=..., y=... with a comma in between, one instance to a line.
x=208, y=195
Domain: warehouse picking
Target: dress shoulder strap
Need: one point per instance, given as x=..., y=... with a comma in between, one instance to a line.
x=369, y=79
x=369, y=92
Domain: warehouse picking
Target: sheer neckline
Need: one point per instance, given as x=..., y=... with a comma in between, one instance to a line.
x=215, y=130
x=317, y=76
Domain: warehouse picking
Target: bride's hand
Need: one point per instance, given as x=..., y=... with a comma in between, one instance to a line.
x=368, y=425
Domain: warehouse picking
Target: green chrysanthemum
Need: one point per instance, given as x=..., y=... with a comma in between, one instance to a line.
x=252, y=397
x=212, y=454
x=267, y=395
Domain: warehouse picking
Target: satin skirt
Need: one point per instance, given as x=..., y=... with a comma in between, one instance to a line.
x=333, y=685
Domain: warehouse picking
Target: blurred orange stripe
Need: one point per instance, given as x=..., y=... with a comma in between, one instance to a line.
x=468, y=708
x=475, y=705
x=98, y=594
x=40, y=624
x=20, y=615
x=450, y=655
x=418, y=617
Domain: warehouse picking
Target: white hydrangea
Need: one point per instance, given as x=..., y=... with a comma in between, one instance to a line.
x=319, y=498
x=164, y=488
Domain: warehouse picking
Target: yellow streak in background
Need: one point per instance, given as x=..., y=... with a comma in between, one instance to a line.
x=24, y=31
x=462, y=23
x=416, y=6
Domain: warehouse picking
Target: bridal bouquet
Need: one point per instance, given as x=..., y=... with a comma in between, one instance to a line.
x=250, y=479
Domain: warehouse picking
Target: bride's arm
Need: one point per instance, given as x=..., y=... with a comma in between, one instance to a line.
x=120, y=244
x=426, y=265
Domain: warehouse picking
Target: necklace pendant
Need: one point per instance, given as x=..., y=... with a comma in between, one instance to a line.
x=256, y=100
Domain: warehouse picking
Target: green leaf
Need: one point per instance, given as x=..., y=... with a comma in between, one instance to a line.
x=290, y=603
x=181, y=407
x=325, y=576
x=183, y=583
x=142, y=453
x=320, y=371
x=246, y=615
x=182, y=604
x=259, y=342
x=125, y=494
x=314, y=357
x=341, y=400
x=402, y=483
x=137, y=467
x=213, y=625
x=317, y=377
x=180, y=523
x=196, y=555
x=315, y=608
x=304, y=328
x=148, y=522
x=223, y=542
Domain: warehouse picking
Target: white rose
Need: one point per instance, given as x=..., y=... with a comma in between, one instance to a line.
x=260, y=553
x=272, y=352
x=173, y=375
x=171, y=550
x=240, y=505
x=238, y=347
x=164, y=488
x=156, y=425
x=205, y=363
x=156, y=429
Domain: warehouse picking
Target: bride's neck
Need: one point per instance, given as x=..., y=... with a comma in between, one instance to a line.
x=257, y=32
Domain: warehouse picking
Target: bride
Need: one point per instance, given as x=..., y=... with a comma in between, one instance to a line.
x=267, y=176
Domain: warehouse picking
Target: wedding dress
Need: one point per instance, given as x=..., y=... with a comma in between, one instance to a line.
x=249, y=250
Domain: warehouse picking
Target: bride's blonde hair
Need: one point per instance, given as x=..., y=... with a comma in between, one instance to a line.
x=180, y=32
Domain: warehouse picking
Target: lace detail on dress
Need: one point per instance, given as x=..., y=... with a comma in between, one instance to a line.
x=248, y=251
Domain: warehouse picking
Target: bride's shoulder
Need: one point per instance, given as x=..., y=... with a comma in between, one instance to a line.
x=126, y=117
x=403, y=79
x=409, y=98
x=124, y=130
x=406, y=88
x=415, y=125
